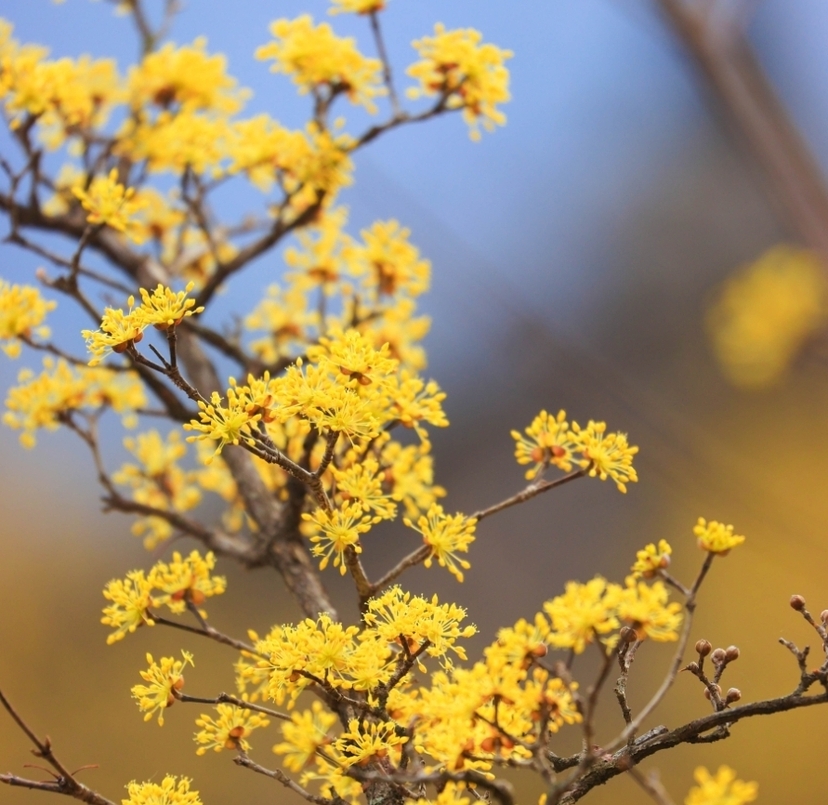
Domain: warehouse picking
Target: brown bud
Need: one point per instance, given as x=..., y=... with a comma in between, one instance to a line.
x=718, y=656
x=703, y=647
x=797, y=603
x=540, y=650
x=732, y=653
x=733, y=695
x=628, y=634
x=693, y=667
x=823, y=616
x=707, y=694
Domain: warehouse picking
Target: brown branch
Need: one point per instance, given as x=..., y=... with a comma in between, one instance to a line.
x=208, y=632
x=278, y=774
x=386, y=63
x=226, y=698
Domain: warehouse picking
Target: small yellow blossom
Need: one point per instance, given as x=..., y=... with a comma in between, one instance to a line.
x=230, y=730
x=306, y=732
x=22, y=312
x=584, y=613
x=163, y=677
x=716, y=537
x=230, y=424
x=470, y=76
x=334, y=532
x=362, y=481
x=651, y=559
x=315, y=55
x=720, y=789
x=131, y=599
x=547, y=441
x=364, y=741
x=357, y=6
x=766, y=312
x=118, y=331
x=164, y=308
x=108, y=202
x=446, y=536
x=645, y=609
x=606, y=456
x=184, y=580
x=168, y=792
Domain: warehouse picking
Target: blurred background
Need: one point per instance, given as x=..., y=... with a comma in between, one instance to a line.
x=574, y=254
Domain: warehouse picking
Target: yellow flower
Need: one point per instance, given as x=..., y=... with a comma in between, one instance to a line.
x=303, y=735
x=332, y=533
x=547, y=441
x=167, y=793
x=109, y=202
x=364, y=741
x=185, y=580
x=651, y=559
x=362, y=481
x=646, y=610
x=164, y=677
x=131, y=599
x=721, y=789
x=766, y=312
x=164, y=308
x=471, y=76
x=232, y=424
x=229, y=731
x=316, y=56
x=582, y=614
x=356, y=6
x=446, y=535
x=606, y=456
x=118, y=331
x=409, y=475
x=22, y=312
x=716, y=537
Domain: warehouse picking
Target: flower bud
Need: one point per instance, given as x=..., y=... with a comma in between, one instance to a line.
x=628, y=634
x=707, y=694
x=703, y=647
x=692, y=667
x=733, y=695
x=797, y=603
x=732, y=653
x=823, y=616
x=718, y=656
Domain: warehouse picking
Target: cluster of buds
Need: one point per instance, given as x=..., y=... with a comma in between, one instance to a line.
x=720, y=659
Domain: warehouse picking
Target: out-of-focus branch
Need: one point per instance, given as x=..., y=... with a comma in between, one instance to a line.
x=736, y=79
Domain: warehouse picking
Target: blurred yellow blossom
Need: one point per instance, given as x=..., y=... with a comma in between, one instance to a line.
x=22, y=312
x=766, y=312
x=650, y=559
x=584, y=613
x=720, y=789
x=646, y=609
x=306, y=732
x=168, y=792
x=186, y=580
x=364, y=741
x=108, y=202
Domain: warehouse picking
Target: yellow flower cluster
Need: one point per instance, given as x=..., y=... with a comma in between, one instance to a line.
x=163, y=677
x=229, y=731
x=470, y=76
x=716, y=537
x=108, y=202
x=315, y=57
x=766, y=312
x=304, y=734
x=549, y=440
x=167, y=792
x=163, y=308
x=42, y=401
x=22, y=312
x=651, y=559
x=720, y=789
x=173, y=585
x=446, y=535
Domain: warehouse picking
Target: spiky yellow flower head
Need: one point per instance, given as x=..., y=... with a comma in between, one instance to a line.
x=108, y=202
x=650, y=559
x=230, y=424
x=332, y=533
x=165, y=308
x=362, y=482
x=716, y=537
x=720, y=789
x=363, y=741
x=164, y=677
x=547, y=441
x=606, y=456
x=471, y=76
x=766, y=312
x=315, y=55
x=646, y=609
x=186, y=580
x=118, y=332
x=22, y=311
x=446, y=535
x=583, y=614
x=131, y=599
x=229, y=731
x=306, y=732
x=168, y=792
